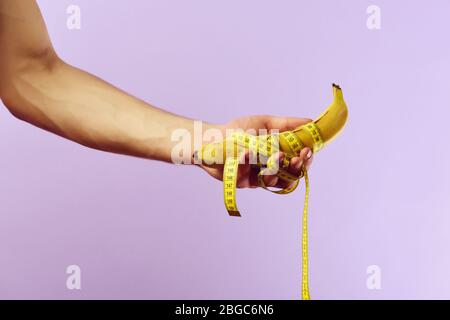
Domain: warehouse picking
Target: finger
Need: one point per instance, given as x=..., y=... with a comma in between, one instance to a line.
x=284, y=184
x=286, y=123
x=296, y=163
x=309, y=162
x=254, y=177
x=254, y=170
x=306, y=155
x=244, y=171
x=271, y=180
x=295, y=167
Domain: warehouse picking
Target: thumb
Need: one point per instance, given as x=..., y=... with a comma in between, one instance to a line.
x=286, y=123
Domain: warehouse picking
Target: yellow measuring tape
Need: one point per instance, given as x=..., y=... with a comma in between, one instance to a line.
x=313, y=134
x=263, y=146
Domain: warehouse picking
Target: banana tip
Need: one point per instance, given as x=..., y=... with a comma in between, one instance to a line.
x=336, y=86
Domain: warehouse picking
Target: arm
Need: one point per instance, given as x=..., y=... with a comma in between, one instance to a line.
x=39, y=88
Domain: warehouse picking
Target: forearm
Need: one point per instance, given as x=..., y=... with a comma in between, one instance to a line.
x=87, y=110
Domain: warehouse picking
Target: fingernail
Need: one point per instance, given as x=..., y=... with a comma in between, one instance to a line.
x=309, y=155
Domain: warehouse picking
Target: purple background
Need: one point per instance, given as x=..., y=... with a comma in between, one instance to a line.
x=142, y=229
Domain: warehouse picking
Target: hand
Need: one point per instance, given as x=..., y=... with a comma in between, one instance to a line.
x=248, y=174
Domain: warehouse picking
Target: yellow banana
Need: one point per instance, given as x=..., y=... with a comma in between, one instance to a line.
x=314, y=135
x=329, y=123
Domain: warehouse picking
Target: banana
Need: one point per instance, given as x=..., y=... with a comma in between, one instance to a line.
x=314, y=135
x=330, y=123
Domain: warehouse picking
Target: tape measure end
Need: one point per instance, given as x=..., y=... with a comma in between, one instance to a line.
x=234, y=213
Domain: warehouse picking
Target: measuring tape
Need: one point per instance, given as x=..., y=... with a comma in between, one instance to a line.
x=330, y=122
x=264, y=147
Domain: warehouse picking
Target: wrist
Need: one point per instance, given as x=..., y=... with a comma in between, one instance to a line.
x=188, y=137
x=203, y=134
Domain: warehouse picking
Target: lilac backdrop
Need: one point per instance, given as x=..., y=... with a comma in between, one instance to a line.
x=148, y=230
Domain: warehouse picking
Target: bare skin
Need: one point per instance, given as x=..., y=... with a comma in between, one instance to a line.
x=38, y=87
